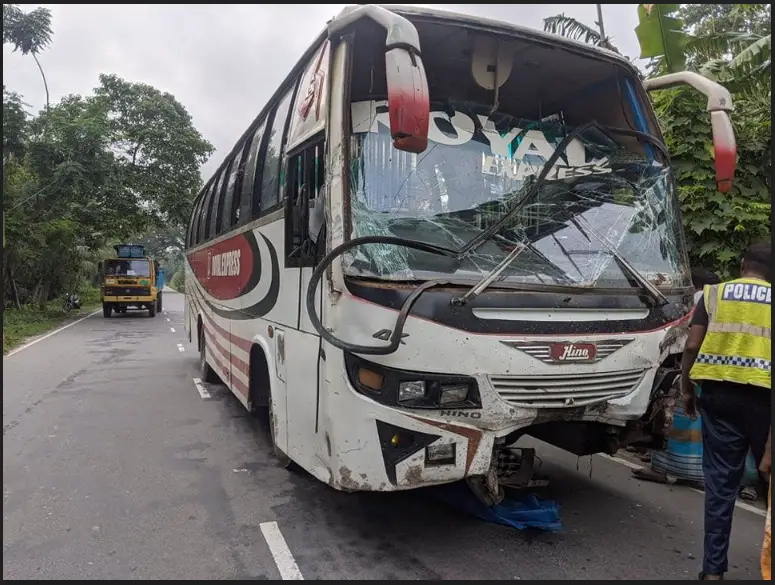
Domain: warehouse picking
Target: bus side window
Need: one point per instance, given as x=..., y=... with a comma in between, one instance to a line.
x=232, y=206
x=211, y=205
x=306, y=176
x=202, y=215
x=267, y=197
x=225, y=193
x=252, y=175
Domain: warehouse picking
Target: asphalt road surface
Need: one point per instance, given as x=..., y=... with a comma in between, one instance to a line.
x=115, y=466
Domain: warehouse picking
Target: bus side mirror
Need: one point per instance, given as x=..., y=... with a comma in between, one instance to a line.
x=724, y=149
x=407, y=85
x=99, y=267
x=719, y=106
x=408, y=100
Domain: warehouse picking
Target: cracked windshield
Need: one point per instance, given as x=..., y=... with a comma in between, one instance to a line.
x=554, y=364
x=478, y=167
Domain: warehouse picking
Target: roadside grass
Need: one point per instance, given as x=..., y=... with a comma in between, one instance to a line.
x=30, y=321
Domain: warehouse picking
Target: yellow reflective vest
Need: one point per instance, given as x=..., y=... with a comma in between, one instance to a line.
x=737, y=346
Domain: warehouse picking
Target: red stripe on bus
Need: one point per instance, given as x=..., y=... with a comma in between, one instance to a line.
x=243, y=344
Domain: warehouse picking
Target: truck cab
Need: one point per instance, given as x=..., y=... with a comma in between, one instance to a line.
x=130, y=281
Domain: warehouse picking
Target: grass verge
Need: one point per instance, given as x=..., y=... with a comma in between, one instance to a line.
x=21, y=324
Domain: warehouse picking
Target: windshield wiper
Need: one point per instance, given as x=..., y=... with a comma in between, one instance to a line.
x=643, y=282
x=488, y=278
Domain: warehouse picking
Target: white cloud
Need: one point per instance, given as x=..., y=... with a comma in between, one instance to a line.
x=223, y=62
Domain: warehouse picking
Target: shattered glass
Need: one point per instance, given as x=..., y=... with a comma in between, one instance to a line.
x=476, y=168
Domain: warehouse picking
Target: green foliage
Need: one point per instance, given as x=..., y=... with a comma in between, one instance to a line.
x=178, y=281
x=90, y=172
x=29, y=320
x=29, y=33
x=718, y=225
x=731, y=44
x=660, y=34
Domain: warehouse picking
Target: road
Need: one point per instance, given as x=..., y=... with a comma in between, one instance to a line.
x=115, y=467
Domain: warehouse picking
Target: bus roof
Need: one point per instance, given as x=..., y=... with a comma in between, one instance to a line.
x=415, y=13
x=503, y=27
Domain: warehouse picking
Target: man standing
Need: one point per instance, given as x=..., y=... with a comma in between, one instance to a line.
x=729, y=353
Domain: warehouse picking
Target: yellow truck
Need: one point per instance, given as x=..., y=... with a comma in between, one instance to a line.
x=132, y=280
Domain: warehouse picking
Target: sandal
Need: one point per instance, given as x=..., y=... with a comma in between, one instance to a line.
x=749, y=494
x=713, y=577
x=649, y=475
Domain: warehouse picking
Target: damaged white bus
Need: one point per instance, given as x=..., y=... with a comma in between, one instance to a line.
x=443, y=233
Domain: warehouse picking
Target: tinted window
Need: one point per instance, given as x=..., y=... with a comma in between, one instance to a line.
x=210, y=206
x=271, y=176
x=249, y=176
x=219, y=199
x=191, y=222
x=227, y=201
x=202, y=214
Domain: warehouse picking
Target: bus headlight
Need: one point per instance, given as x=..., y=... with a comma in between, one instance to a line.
x=394, y=387
x=453, y=393
x=414, y=390
x=110, y=281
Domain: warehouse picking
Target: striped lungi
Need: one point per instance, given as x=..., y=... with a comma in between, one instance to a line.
x=682, y=457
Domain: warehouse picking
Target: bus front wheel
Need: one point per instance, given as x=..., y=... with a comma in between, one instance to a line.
x=107, y=310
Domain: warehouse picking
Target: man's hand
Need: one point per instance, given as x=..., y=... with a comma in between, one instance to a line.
x=689, y=398
x=765, y=465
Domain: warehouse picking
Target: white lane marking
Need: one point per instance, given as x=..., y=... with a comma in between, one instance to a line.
x=201, y=389
x=172, y=329
x=281, y=554
x=168, y=319
x=624, y=462
x=47, y=335
x=738, y=503
x=180, y=347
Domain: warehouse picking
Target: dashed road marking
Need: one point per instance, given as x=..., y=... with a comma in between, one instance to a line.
x=54, y=332
x=172, y=329
x=738, y=503
x=180, y=347
x=201, y=389
x=168, y=319
x=281, y=554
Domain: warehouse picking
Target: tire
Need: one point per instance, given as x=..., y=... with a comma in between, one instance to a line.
x=206, y=372
x=152, y=310
x=67, y=307
x=107, y=310
x=282, y=459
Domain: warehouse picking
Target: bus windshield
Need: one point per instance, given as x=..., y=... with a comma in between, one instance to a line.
x=477, y=167
x=127, y=268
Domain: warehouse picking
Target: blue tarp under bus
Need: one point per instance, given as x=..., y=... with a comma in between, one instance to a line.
x=522, y=511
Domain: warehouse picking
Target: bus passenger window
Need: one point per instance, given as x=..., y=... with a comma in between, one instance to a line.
x=232, y=212
x=212, y=203
x=270, y=180
x=201, y=234
x=306, y=176
x=224, y=203
x=252, y=176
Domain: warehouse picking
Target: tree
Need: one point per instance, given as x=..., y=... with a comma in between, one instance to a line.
x=89, y=172
x=29, y=33
x=158, y=150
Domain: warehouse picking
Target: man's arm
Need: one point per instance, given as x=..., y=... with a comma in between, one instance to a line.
x=698, y=328
x=765, y=465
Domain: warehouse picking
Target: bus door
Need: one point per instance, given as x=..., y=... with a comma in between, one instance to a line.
x=305, y=181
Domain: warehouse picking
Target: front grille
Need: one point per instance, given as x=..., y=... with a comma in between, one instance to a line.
x=566, y=390
x=127, y=291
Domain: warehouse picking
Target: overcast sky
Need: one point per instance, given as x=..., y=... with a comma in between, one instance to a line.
x=222, y=62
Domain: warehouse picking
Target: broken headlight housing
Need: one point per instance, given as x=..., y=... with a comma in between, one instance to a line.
x=394, y=387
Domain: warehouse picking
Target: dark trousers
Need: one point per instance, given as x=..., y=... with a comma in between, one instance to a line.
x=735, y=417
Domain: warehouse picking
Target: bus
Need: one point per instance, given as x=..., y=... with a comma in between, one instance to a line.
x=441, y=234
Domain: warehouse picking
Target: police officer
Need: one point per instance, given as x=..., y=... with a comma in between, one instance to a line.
x=728, y=352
